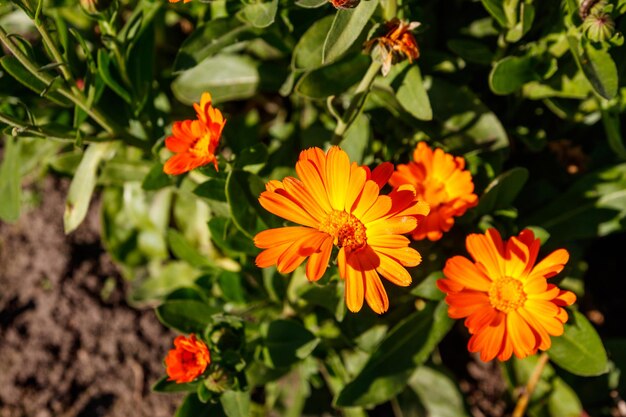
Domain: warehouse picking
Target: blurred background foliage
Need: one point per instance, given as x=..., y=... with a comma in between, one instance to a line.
x=531, y=93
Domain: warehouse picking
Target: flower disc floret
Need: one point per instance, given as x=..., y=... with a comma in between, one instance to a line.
x=347, y=230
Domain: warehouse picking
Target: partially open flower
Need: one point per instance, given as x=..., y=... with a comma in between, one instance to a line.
x=188, y=360
x=441, y=180
x=194, y=141
x=95, y=6
x=396, y=45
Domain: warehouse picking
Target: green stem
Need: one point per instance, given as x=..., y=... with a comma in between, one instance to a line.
x=522, y=402
x=390, y=9
x=35, y=131
x=105, y=122
x=357, y=102
x=337, y=380
x=109, y=30
x=54, y=52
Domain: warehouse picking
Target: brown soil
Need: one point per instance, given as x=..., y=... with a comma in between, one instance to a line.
x=70, y=346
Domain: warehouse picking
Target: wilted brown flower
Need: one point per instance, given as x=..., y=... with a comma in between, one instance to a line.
x=396, y=45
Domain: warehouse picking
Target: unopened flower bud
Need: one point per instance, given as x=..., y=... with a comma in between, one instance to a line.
x=95, y=6
x=598, y=27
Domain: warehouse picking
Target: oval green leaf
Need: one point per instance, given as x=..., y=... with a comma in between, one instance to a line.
x=579, y=350
x=187, y=316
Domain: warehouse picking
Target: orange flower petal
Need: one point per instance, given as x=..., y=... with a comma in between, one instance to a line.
x=318, y=262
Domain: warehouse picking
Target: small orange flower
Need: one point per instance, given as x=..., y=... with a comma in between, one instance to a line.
x=441, y=181
x=188, y=360
x=339, y=204
x=176, y=1
x=397, y=44
x=509, y=306
x=194, y=141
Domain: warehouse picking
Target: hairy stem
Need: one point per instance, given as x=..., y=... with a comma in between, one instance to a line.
x=357, y=102
x=104, y=121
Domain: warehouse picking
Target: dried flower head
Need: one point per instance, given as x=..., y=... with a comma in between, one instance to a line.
x=345, y=4
x=396, y=45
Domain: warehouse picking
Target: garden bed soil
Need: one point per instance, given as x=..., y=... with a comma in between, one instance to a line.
x=70, y=346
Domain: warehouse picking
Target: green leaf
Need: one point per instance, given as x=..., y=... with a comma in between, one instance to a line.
x=259, y=14
x=10, y=180
x=26, y=78
x=412, y=94
x=495, y=9
x=510, y=74
x=231, y=287
x=286, y=342
x=193, y=407
x=82, y=186
x=501, y=192
x=346, y=29
x=184, y=251
x=333, y=79
x=156, y=179
x=236, y=403
x=600, y=70
x=471, y=51
x=579, y=350
x=593, y=206
x=438, y=392
x=252, y=159
x=227, y=77
x=563, y=401
x=467, y=122
x=427, y=288
x=163, y=280
x=242, y=193
x=229, y=238
x=163, y=385
x=357, y=139
x=311, y=4
x=597, y=65
x=208, y=40
x=104, y=63
x=187, y=316
x=388, y=370
x=307, y=54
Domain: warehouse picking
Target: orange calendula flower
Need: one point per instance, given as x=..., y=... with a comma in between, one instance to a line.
x=508, y=304
x=194, y=141
x=442, y=182
x=397, y=44
x=188, y=360
x=338, y=203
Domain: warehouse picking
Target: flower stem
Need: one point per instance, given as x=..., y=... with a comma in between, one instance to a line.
x=357, y=102
x=522, y=401
x=78, y=99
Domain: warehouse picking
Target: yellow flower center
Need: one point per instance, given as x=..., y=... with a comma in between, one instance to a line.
x=507, y=294
x=347, y=230
x=200, y=147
